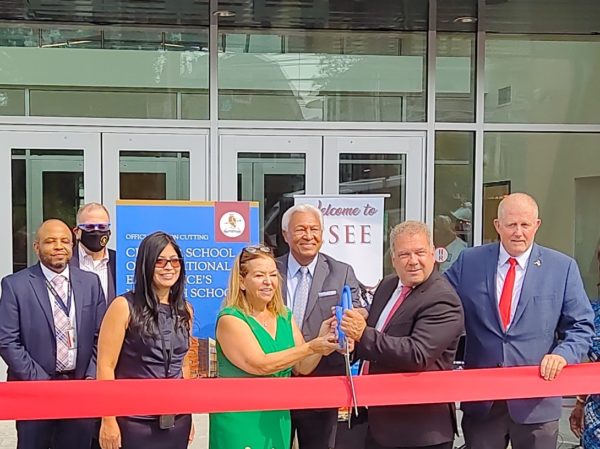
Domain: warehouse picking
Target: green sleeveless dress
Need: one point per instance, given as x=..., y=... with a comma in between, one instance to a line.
x=253, y=430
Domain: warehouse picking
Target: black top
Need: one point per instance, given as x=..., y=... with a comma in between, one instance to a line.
x=143, y=358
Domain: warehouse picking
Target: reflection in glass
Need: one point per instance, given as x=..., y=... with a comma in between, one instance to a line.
x=271, y=179
x=520, y=90
x=562, y=172
x=322, y=76
x=362, y=173
x=45, y=184
x=455, y=77
x=453, y=193
x=154, y=175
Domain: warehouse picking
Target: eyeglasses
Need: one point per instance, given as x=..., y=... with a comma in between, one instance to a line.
x=257, y=249
x=162, y=262
x=89, y=227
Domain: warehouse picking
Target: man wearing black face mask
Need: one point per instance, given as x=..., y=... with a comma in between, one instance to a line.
x=90, y=252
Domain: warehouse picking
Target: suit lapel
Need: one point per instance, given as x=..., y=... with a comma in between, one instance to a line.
x=112, y=268
x=282, y=266
x=321, y=273
x=533, y=277
x=79, y=297
x=381, y=301
x=38, y=283
x=491, y=271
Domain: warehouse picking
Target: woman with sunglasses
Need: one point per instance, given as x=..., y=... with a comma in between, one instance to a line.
x=257, y=337
x=145, y=335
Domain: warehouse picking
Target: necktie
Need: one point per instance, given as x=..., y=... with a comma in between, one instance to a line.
x=401, y=297
x=61, y=323
x=507, y=293
x=301, y=296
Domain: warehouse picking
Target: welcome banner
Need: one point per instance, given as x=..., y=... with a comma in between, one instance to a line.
x=210, y=234
x=353, y=231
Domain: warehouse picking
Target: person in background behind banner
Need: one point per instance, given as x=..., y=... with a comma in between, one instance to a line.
x=257, y=336
x=91, y=253
x=312, y=285
x=414, y=325
x=444, y=236
x=50, y=315
x=145, y=335
x=524, y=305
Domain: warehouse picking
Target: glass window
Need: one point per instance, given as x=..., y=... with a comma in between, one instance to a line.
x=45, y=184
x=455, y=77
x=12, y=101
x=147, y=70
x=542, y=79
x=154, y=175
x=271, y=179
x=562, y=172
x=453, y=193
x=322, y=76
x=368, y=173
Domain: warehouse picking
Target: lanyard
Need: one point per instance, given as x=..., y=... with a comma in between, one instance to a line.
x=65, y=307
x=166, y=351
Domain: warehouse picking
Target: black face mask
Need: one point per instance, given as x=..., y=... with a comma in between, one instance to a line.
x=95, y=241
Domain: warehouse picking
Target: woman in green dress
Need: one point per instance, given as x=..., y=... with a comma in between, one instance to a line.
x=257, y=337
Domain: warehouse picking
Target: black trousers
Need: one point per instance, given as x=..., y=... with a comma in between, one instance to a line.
x=372, y=444
x=316, y=429
x=139, y=433
x=55, y=434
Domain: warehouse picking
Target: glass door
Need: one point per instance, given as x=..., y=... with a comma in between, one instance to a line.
x=154, y=167
x=390, y=165
x=270, y=170
x=52, y=174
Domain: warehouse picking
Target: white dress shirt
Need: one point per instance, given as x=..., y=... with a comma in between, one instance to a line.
x=50, y=275
x=100, y=267
x=501, y=272
x=293, y=277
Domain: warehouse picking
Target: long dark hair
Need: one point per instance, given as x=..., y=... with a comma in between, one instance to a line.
x=145, y=310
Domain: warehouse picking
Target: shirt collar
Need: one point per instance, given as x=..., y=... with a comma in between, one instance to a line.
x=50, y=275
x=84, y=255
x=294, y=266
x=521, y=260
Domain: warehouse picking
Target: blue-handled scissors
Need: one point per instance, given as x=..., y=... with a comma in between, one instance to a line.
x=346, y=304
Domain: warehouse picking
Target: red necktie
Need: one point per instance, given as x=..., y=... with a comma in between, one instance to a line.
x=507, y=293
x=401, y=297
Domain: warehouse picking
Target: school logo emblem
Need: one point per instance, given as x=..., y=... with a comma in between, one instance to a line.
x=232, y=224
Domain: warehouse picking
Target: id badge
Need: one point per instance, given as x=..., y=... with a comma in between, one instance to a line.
x=166, y=421
x=71, y=339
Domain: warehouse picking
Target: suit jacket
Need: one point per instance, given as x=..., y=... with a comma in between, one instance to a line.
x=553, y=315
x=422, y=335
x=111, y=285
x=329, y=278
x=27, y=334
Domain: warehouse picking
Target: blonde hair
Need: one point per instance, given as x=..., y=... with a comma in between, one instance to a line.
x=236, y=297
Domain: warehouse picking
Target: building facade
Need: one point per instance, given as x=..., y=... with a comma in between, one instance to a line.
x=444, y=105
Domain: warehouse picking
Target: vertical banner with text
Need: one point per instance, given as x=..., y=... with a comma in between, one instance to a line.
x=210, y=234
x=353, y=232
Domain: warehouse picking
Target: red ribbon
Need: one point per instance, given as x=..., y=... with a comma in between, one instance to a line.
x=87, y=398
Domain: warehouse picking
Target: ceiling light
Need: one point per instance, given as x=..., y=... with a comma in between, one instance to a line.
x=224, y=13
x=465, y=19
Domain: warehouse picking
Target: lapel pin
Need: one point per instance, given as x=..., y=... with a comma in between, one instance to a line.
x=538, y=263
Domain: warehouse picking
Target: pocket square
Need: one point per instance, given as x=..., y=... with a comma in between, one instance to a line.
x=327, y=293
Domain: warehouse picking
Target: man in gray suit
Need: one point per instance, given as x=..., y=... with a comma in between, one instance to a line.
x=313, y=284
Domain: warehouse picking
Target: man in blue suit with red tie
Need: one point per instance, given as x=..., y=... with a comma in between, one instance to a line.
x=50, y=316
x=524, y=304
